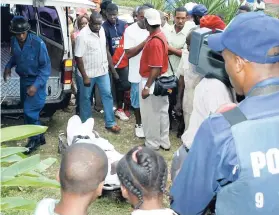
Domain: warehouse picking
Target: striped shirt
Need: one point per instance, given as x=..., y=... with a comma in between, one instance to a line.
x=92, y=49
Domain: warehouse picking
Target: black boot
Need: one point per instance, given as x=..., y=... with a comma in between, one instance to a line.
x=42, y=139
x=32, y=145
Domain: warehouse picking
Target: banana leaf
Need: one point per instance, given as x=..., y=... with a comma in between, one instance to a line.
x=27, y=181
x=17, y=203
x=22, y=166
x=20, y=132
x=5, y=152
x=45, y=164
x=11, y=159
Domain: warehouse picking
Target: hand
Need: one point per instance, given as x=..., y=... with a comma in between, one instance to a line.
x=7, y=73
x=31, y=91
x=178, y=109
x=145, y=93
x=86, y=81
x=226, y=107
x=115, y=76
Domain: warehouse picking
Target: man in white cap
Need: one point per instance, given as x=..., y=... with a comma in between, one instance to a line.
x=154, y=62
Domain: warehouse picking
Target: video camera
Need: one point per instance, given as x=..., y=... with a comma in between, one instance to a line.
x=208, y=63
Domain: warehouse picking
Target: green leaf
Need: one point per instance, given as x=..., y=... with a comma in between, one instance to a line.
x=17, y=203
x=5, y=152
x=27, y=181
x=32, y=174
x=22, y=166
x=20, y=132
x=11, y=159
x=45, y=164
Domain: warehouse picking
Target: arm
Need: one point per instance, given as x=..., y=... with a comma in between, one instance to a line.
x=12, y=62
x=155, y=63
x=195, y=185
x=111, y=66
x=80, y=66
x=79, y=52
x=9, y=66
x=174, y=51
x=73, y=42
x=132, y=52
x=154, y=73
x=129, y=44
x=181, y=87
x=208, y=167
x=44, y=67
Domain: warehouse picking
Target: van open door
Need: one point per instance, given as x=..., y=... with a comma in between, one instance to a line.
x=57, y=3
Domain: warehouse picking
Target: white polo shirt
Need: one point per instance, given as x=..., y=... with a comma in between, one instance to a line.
x=92, y=49
x=209, y=95
x=178, y=41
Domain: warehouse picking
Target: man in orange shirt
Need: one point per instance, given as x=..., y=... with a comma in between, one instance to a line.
x=154, y=62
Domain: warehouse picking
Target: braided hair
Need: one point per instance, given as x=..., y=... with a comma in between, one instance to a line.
x=143, y=172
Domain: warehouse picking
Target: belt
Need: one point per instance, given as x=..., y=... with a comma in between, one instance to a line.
x=28, y=76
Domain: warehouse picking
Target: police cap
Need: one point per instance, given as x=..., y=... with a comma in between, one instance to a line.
x=19, y=25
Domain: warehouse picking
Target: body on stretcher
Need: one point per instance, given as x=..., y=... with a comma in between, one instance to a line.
x=78, y=132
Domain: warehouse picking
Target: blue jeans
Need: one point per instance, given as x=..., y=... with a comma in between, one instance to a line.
x=85, y=111
x=135, y=95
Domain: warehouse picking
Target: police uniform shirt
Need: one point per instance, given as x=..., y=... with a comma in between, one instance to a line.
x=32, y=61
x=212, y=161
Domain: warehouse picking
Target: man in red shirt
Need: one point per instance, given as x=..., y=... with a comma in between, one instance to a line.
x=153, y=63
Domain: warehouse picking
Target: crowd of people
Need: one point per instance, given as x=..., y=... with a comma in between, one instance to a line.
x=228, y=161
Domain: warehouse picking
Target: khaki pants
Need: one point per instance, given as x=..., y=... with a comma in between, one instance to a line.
x=155, y=120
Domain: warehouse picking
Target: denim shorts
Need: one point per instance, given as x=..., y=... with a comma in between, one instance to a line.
x=135, y=95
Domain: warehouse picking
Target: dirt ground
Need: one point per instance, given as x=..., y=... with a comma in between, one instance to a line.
x=122, y=142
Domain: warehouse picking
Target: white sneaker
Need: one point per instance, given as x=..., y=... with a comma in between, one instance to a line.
x=139, y=131
x=121, y=115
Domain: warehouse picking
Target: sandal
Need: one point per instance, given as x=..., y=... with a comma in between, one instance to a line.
x=114, y=129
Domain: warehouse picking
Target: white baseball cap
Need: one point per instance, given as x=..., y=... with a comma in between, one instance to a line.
x=152, y=16
x=189, y=6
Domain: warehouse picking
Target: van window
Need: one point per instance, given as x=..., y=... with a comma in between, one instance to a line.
x=49, y=23
x=32, y=18
x=29, y=13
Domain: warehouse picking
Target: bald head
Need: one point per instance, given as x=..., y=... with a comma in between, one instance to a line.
x=95, y=15
x=95, y=22
x=83, y=168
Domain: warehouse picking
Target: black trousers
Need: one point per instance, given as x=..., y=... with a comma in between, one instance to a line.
x=123, y=75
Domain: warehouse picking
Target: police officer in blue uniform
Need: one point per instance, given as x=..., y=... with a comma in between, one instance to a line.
x=30, y=57
x=235, y=154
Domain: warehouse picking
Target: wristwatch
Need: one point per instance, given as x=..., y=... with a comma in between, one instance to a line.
x=146, y=88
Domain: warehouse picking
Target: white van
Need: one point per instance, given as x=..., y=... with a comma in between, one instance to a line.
x=48, y=19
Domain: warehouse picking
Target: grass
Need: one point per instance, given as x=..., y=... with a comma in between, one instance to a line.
x=122, y=142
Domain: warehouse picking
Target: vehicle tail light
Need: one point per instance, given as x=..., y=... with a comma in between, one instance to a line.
x=68, y=71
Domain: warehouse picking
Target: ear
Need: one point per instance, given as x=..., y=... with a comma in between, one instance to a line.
x=57, y=176
x=124, y=192
x=100, y=189
x=240, y=63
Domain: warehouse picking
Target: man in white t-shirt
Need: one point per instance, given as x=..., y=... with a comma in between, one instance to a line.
x=135, y=36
